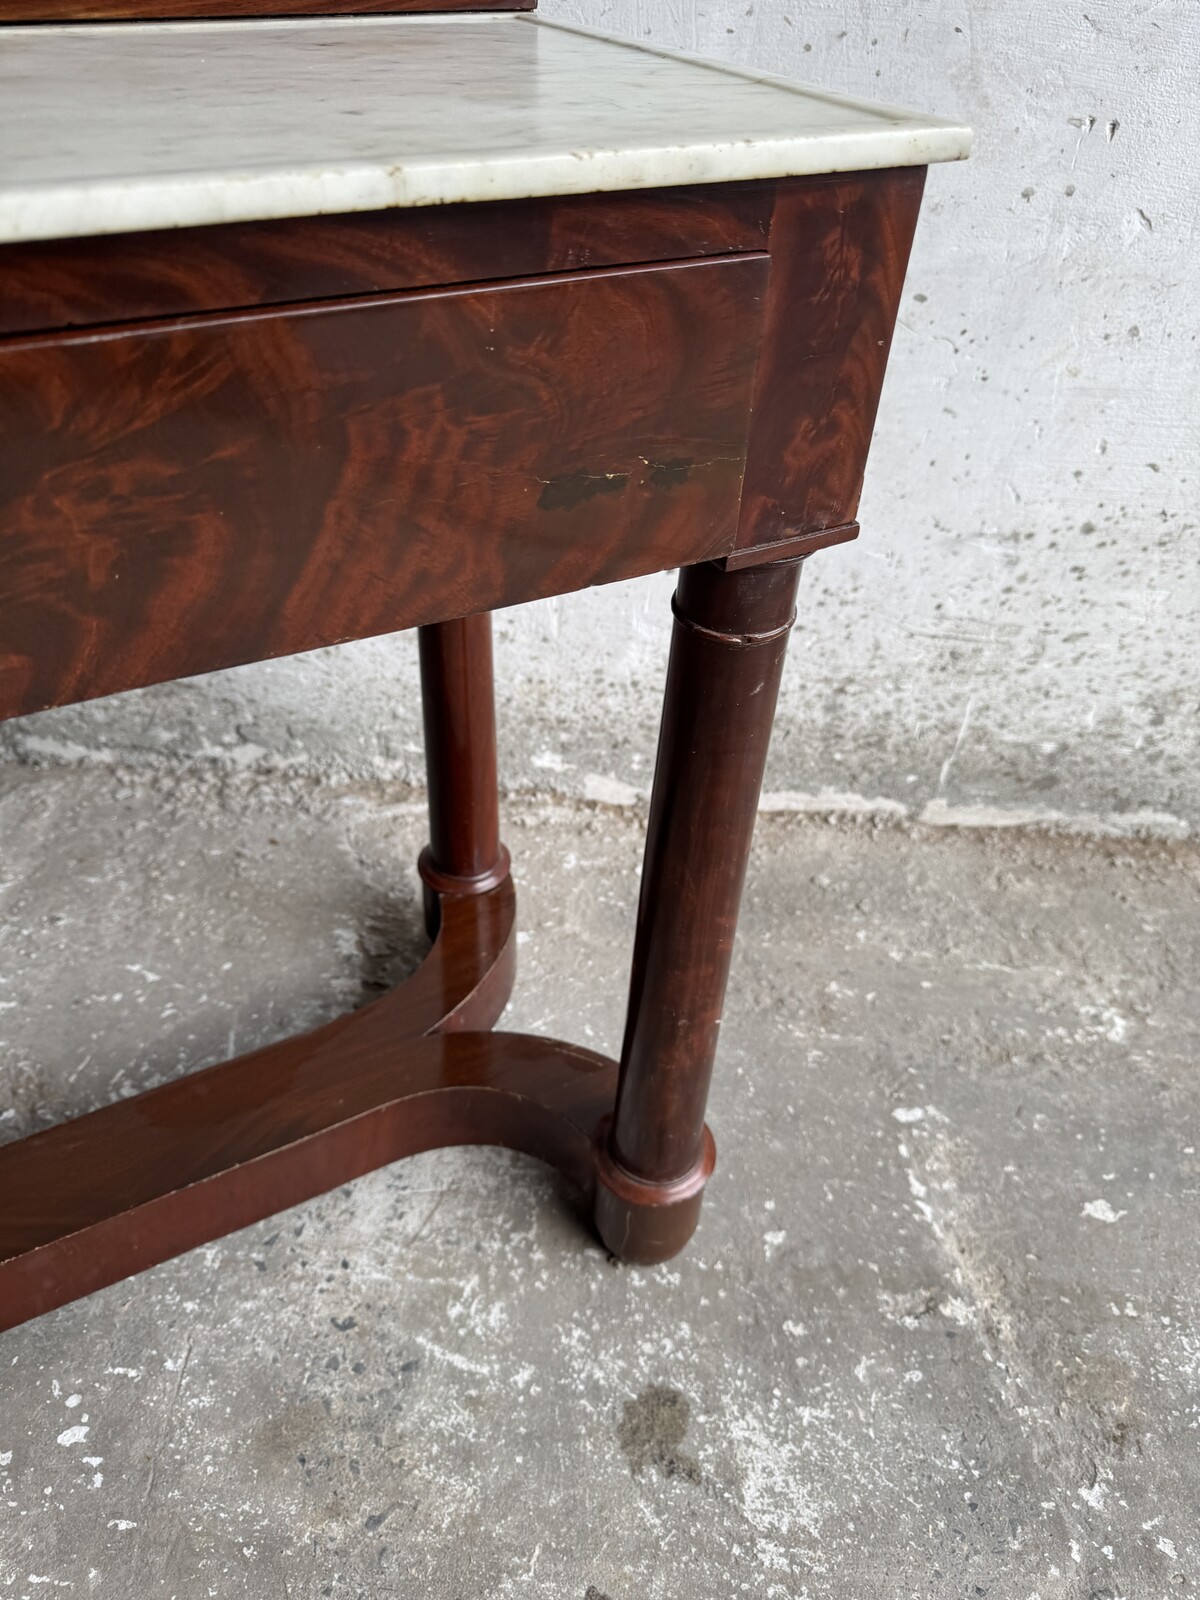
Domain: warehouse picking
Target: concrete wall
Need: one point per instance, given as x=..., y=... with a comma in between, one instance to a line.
x=1016, y=631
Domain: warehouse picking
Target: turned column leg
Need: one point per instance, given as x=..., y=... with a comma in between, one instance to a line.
x=727, y=652
x=464, y=854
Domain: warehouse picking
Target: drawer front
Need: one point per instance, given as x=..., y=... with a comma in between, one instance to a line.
x=190, y=495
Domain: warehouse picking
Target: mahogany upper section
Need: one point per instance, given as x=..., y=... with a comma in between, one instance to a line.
x=169, y=10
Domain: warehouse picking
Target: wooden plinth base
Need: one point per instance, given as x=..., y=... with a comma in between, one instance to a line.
x=109, y=1194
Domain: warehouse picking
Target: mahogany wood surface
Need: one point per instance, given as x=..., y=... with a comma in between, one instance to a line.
x=336, y=1113
x=458, y=701
x=231, y=443
x=239, y=266
x=727, y=651
x=189, y=495
x=88, y=1203
x=97, y=1198
x=168, y=10
x=464, y=853
x=839, y=250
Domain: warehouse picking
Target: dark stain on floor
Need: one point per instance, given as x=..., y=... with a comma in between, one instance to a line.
x=651, y=1431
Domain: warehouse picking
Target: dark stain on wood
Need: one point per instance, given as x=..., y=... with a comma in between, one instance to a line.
x=571, y=490
x=670, y=474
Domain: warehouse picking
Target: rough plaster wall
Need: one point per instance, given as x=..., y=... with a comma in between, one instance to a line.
x=1016, y=628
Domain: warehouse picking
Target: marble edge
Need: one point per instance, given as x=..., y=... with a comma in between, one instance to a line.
x=899, y=116
x=180, y=200
x=37, y=212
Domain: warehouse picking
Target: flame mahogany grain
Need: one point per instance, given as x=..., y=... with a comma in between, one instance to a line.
x=135, y=276
x=413, y=447
x=189, y=495
x=839, y=251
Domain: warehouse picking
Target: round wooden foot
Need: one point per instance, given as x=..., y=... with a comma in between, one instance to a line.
x=644, y=1223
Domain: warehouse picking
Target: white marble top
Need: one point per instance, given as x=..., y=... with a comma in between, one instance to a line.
x=115, y=128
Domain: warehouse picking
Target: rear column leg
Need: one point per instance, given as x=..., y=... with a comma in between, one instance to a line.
x=464, y=854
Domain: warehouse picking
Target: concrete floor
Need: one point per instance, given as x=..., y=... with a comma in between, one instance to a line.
x=938, y=1334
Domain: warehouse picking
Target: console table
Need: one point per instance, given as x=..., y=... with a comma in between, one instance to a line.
x=319, y=328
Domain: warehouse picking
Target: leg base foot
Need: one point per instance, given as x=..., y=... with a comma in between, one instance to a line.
x=644, y=1223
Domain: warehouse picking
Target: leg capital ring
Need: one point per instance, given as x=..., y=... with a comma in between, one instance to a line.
x=441, y=882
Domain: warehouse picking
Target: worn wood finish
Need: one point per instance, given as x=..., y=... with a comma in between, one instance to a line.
x=727, y=652
x=186, y=496
x=839, y=249
x=134, y=276
x=168, y=10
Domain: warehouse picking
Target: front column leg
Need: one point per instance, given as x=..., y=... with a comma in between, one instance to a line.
x=727, y=651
